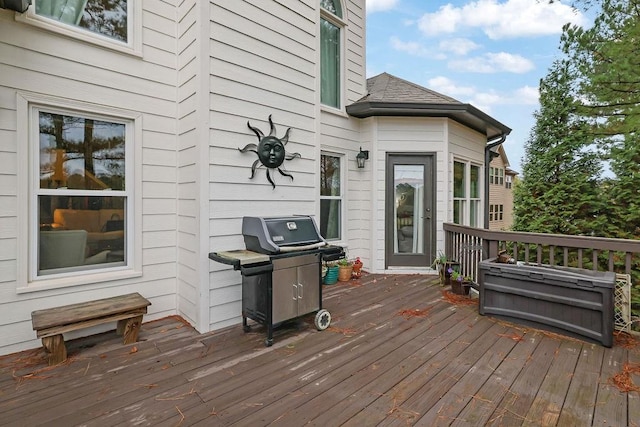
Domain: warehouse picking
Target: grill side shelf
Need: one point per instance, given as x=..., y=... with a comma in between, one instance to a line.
x=235, y=262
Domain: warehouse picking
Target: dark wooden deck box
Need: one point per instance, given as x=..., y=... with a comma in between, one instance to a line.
x=572, y=301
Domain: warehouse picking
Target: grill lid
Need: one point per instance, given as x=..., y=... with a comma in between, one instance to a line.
x=280, y=234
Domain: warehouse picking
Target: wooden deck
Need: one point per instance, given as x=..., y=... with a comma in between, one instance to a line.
x=397, y=353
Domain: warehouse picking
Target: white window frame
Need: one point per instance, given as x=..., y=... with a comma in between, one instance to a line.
x=467, y=200
x=133, y=45
x=343, y=165
x=341, y=23
x=29, y=106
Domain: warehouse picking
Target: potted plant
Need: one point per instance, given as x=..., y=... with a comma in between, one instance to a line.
x=331, y=276
x=444, y=266
x=345, y=267
x=460, y=283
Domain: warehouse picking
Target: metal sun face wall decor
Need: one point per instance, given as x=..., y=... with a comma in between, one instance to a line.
x=271, y=152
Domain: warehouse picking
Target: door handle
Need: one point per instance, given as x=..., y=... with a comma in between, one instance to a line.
x=300, y=290
x=295, y=292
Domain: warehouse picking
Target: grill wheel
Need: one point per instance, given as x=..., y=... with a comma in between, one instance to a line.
x=323, y=320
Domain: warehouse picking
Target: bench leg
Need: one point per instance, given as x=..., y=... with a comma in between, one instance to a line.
x=129, y=328
x=55, y=347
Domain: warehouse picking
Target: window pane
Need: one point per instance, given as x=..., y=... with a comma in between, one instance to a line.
x=330, y=218
x=475, y=182
x=81, y=153
x=457, y=211
x=79, y=232
x=105, y=17
x=332, y=6
x=458, y=179
x=474, y=209
x=329, y=64
x=329, y=175
x=409, y=205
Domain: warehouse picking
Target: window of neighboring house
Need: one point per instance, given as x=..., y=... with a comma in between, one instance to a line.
x=508, y=182
x=331, y=196
x=110, y=23
x=499, y=212
x=496, y=176
x=491, y=209
x=466, y=194
x=331, y=25
x=81, y=191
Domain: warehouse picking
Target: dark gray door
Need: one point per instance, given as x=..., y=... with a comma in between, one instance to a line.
x=410, y=210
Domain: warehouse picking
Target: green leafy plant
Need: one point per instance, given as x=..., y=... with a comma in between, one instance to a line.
x=459, y=276
x=441, y=259
x=344, y=262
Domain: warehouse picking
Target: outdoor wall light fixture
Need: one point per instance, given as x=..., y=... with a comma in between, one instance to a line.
x=361, y=157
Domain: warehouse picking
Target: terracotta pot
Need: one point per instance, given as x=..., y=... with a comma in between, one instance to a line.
x=344, y=273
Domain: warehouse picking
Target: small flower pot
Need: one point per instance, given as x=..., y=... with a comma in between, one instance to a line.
x=460, y=288
x=344, y=273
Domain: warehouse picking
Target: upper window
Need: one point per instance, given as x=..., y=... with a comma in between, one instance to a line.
x=81, y=191
x=330, y=53
x=466, y=194
x=330, y=197
x=114, y=24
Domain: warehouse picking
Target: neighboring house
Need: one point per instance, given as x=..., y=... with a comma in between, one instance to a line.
x=120, y=167
x=501, y=180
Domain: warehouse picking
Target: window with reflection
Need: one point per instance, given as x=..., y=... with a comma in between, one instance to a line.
x=466, y=194
x=330, y=197
x=108, y=18
x=330, y=52
x=82, y=194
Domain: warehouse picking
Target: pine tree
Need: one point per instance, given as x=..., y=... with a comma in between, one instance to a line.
x=559, y=190
x=607, y=59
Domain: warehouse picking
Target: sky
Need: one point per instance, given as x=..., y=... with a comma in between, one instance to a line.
x=488, y=53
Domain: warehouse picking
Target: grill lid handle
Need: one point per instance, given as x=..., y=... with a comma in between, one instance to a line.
x=302, y=248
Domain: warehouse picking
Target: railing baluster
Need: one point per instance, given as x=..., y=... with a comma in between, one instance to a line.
x=580, y=255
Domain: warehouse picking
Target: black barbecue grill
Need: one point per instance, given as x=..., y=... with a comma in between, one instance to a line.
x=281, y=270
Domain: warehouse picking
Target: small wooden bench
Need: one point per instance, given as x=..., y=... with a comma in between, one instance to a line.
x=51, y=323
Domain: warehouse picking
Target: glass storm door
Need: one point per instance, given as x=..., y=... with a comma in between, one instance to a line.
x=409, y=211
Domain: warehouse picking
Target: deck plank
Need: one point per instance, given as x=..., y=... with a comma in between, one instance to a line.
x=480, y=399
x=612, y=403
x=579, y=405
x=513, y=407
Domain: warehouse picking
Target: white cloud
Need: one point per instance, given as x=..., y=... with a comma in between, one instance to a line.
x=458, y=46
x=484, y=99
x=493, y=63
x=447, y=87
x=412, y=48
x=380, y=5
x=508, y=19
x=527, y=95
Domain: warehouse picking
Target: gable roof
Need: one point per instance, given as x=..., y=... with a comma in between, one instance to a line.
x=388, y=95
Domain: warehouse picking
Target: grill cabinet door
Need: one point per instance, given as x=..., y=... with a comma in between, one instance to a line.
x=308, y=288
x=296, y=287
x=285, y=294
